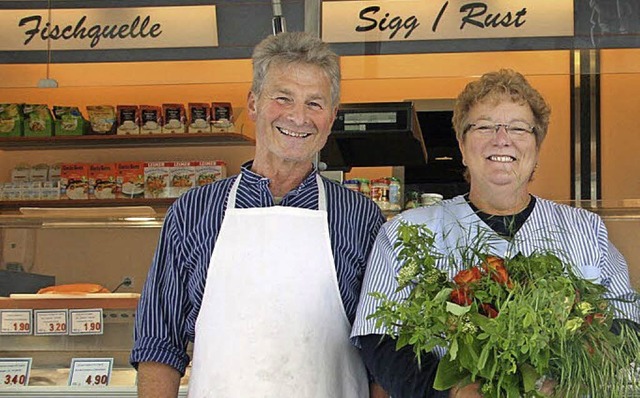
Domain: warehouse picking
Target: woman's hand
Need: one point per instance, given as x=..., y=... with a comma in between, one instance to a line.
x=469, y=391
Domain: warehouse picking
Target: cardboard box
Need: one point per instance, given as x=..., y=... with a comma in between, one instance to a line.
x=10, y=120
x=128, y=119
x=74, y=181
x=157, y=179
x=102, y=181
x=150, y=119
x=130, y=179
x=183, y=178
x=208, y=171
x=68, y=121
x=199, y=118
x=37, y=121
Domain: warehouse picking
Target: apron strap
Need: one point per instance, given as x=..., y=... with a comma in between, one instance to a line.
x=322, y=198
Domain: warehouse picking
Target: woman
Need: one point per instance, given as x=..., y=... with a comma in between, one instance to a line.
x=500, y=123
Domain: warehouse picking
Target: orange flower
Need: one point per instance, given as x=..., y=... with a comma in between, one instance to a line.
x=461, y=296
x=598, y=317
x=494, y=266
x=467, y=276
x=488, y=310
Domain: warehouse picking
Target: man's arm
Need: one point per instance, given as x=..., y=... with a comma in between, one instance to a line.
x=157, y=380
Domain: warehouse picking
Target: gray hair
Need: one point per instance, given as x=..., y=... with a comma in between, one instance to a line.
x=291, y=48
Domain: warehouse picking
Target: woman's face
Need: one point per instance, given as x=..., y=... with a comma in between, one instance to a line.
x=500, y=159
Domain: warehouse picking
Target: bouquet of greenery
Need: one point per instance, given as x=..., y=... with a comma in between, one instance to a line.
x=509, y=323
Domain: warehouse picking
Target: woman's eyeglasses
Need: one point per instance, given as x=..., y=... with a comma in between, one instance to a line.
x=515, y=129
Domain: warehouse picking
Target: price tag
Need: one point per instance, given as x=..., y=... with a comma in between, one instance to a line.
x=90, y=372
x=15, y=322
x=14, y=372
x=85, y=322
x=50, y=322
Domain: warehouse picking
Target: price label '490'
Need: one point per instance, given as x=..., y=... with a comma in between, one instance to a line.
x=86, y=321
x=94, y=372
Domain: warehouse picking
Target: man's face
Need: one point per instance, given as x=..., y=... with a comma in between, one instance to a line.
x=293, y=114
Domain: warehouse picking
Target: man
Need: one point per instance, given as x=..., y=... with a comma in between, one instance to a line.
x=264, y=269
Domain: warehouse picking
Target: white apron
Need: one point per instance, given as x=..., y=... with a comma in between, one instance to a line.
x=272, y=322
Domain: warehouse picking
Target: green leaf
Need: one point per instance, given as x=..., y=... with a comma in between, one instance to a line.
x=529, y=377
x=456, y=309
x=448, y=374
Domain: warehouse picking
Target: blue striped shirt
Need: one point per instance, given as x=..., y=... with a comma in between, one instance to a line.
x=577, y=236
x=171, y=298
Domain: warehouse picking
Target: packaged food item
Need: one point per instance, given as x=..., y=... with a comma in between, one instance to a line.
x=130, y=179
x=102, y=119
x=208, y=171
x=380, y=192
x=102, y=181
x=221, y=117
x=74, y=181
x=37, y=121
x=183, y=178
x=11, y=191
x=199, y=118
x=55, y=171
x=21, y=173
x=156, y=179
x=40, y=172
x=10, y=120
x=68, y=121
x=173, y=117
x=150, y=119
x=50, y=190
x=31, y=190
x=128, y=119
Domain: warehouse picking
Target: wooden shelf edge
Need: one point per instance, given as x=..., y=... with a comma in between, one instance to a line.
x=17, y=204
x=112, y=141
x=107, y=303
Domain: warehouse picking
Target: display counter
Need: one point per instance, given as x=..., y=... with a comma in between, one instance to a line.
x=52, y=355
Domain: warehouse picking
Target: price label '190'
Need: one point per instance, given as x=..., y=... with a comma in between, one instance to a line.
x=86, y=321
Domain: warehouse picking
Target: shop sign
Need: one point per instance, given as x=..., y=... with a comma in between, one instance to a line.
x=108, y=28
x=370, y=21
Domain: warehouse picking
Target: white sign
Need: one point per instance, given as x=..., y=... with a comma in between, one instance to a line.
x=15, y=322
x=370, y=21
x=50, y=322
x=90, y=372
x=85, y=322
x=14, y=372
x=109, y=28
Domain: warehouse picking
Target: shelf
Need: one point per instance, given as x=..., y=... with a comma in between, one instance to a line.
x=120, y=141
x=15, y=205
x=116, y=213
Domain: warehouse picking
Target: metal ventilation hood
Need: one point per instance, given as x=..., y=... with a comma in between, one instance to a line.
x=374, y=134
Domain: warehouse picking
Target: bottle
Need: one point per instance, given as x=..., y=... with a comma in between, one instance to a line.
x=395, y=194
